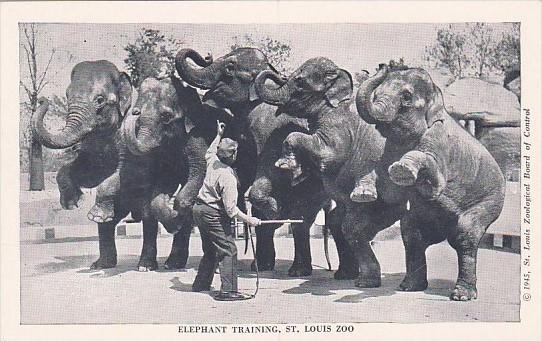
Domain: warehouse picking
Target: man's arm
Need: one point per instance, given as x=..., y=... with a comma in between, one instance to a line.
x=211, y=151
x=229, y=199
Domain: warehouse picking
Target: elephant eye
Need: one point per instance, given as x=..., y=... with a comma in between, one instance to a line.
x=166, y=116
x=406, y=96
x=100, y=100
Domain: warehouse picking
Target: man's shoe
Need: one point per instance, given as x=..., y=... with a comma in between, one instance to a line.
x=232, y=296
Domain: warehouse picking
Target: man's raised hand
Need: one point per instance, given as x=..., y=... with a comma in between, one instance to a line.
x=220, y=127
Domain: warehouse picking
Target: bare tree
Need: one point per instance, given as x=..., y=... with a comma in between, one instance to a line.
x=33, y=88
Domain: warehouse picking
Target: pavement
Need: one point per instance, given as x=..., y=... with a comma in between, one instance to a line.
x=57, y=287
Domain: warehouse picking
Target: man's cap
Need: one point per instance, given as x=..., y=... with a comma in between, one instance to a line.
x=226, y=148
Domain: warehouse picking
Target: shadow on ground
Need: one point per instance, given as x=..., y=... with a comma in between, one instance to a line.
x=322, y=283
x=125, y=264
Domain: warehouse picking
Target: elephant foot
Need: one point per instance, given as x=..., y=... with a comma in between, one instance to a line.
x=175, y=263
x=267, y=266
x=147, y=265
x=364, y=194
x=346, y=274
x=412, y=284
x=161, y=209
x=71, y=202
x=463, y=292
x=402, y=174
x=101, y=213
x=104, y=263
x=300, y=270
x=287, y=162
x=364, y=282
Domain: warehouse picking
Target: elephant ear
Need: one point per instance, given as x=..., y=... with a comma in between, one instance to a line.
x=435, y=109
x=341, y=90
x=125, y=93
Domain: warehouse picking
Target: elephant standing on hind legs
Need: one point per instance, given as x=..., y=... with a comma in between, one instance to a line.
x=455, y=187
x=169, y=125
x=230, y=81
x=99, y=97
x=344, y=150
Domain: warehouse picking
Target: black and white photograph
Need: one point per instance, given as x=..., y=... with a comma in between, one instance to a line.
x=279, y=178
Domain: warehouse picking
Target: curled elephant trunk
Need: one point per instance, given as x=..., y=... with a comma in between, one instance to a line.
x=369, y=109
x=141, y=142
x=77, y=126
x=274, y=96
x=205, y=77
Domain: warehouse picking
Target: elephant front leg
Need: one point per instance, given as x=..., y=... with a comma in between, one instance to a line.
x=465, y=239
x=365, y=189
x=162, y=210
x=296, y=142
x=359, y=235
x=415, y=246
x=348, y=263
x=265, y=248
x=147, y=260
x=108, y=250
x=195, y=149
x=261, y=199
x=407, y=171
x=70, y=193
x=302, y=265
x=104, y=208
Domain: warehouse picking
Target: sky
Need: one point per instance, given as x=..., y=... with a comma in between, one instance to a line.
x=353, y=47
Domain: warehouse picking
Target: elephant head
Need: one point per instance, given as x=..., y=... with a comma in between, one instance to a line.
x=230, y=79
x=403, y=103
x=98, y=97
x=160, y=112
x=315, y=86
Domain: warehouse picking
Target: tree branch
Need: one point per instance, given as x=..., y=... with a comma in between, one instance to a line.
x=32, y=76
x=42, y=85
x=28, y=92
x=44, y=74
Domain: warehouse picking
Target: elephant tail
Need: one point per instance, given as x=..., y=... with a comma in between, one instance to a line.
x=325, y=231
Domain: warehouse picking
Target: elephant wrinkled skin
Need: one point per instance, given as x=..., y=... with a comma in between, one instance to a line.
x=344, y=149
x=454, y=186
x=230, y=81
x=99, y=97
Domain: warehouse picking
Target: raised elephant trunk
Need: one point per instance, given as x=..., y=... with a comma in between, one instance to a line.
x=369, y=109
x=274, y=96
x=141, y=142
x=75, y=129
x=204, y=78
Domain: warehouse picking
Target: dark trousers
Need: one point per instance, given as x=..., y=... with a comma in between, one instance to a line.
x=218, y=247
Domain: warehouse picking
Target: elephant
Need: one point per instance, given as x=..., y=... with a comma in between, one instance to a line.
x=99, y=96
x=169, y=124
x=454, y=186
x=273, y=193
x=343, y=148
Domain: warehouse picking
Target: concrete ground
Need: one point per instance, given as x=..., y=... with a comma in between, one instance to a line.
x=58, y=287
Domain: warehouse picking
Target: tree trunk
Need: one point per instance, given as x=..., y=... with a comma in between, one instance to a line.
x=35, y=155
x=37, y=181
